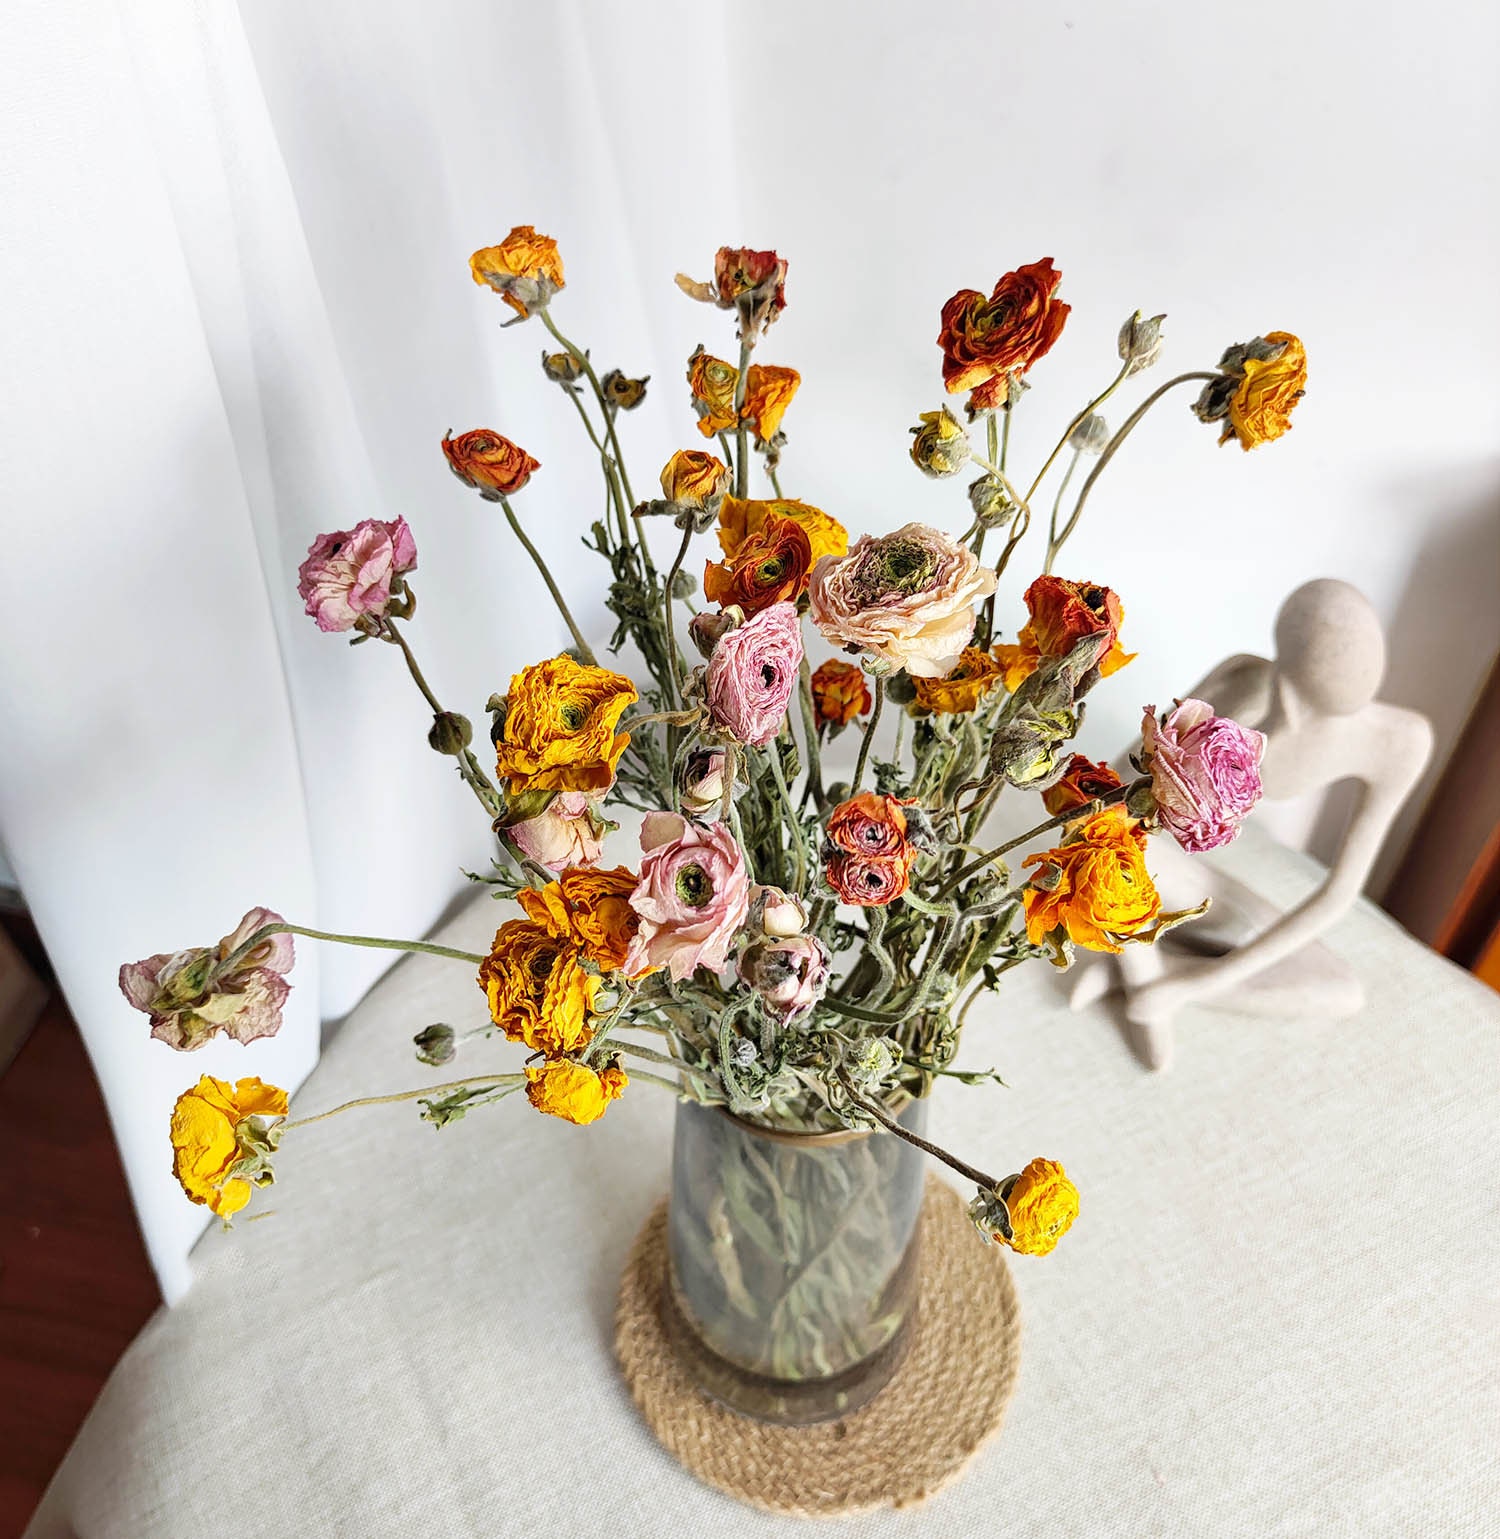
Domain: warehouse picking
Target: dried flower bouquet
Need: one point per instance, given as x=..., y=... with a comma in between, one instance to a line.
x=797, y=948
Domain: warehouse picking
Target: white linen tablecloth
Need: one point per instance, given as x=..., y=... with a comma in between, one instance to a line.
x=1278, y=1313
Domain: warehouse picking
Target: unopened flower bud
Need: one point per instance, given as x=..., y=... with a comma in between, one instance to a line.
x=624, y=393
x=450, y=733
x=701, y=780
x=1091, y=435
x=940, y=446
x=684, y=585
x=899, y=688
x=780, y=913
x=1140, y=800
x=435, y=1044
x=706, y=628
x=1141, y=342
x=872, y=1060
x=562, y=368
x=789, y=974
x=992, y=504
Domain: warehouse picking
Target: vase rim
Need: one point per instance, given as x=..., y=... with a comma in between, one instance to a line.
x=822, y=1138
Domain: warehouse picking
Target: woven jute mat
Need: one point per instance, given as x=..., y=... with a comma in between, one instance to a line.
x=947, y=1396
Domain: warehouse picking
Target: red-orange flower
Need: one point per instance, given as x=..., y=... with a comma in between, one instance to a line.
x=868, y=858
x=868, y=824
x=871, y=881
x=840, y=692
x=985, y=341
x=770, y=567
x=489, y=462
x=1083, y=782
x=1063, y=613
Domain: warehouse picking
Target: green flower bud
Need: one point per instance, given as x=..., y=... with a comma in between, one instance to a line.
x=1091, y=435
x=1140, y=342
x=435, y=1044
x=450, y=733
x=992, y=504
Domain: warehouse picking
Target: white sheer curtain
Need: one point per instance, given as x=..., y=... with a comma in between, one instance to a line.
x=237, y=313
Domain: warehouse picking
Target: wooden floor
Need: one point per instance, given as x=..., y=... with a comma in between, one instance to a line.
x=75, y=1285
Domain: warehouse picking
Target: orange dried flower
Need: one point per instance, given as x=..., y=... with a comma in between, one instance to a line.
x=1260, y=410
x=489, y=462
x=741, y=517
x=1083, y=782
x=590, y=909
x=713, y=383
x=694, y=478
x=955, y=693
x=560, y=722
x=840, y=693
x=1095, y=887
x=525, y=269
x=770, y=567
x=538, y=991
x=769, y=389
x=1062, y=614
x=985, y=341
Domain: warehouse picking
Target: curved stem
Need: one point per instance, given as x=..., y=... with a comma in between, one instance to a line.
x=557, y=598
x=1061, y=443
x=889, y=1123
x=612, y=489
x=799, y=857
x=1119, y=438
x=1052, y=540
x=864, y=747
x=427, y=948
x=674, y=657
x=475, y=1081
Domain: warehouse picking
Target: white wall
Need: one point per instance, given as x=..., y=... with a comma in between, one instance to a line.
x=238, y=312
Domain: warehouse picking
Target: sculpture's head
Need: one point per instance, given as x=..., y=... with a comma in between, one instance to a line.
x=1330, y=647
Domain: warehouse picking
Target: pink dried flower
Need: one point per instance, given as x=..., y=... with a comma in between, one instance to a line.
x=349, y=574
x=1205, y=772
x=193, y=995
x=907, y=598
x=701, y=781
x=790, y=975
x=569, y=833
x=693, y=896
x=752, y=675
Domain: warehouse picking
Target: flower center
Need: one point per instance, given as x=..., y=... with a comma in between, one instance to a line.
x=694, y=887
x=573, y=715
x=905, y=565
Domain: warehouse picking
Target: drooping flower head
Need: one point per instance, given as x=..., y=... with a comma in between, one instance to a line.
x=568, y=832
x=986, y=341
x=574, y=1091
x=960, y=691
x=489, y=462
x=740, y=518
x=840, y=693
x=1029, y=1212
x=1259, y=384
x=223, y=1136
x=1082, y=782
x=712, y=382
x=770, y=567
x=1062, y=614
x=560, y=721
x=350, y=575
x=693, y=896
x=1205, y=772
x=751, y=282
x=1095, y=887
x=195, y=994
x=906, y=598
x=590, y=910
x=525, y=269
x=752, y=675
x=769, y=388
x=622, y=391
x=789, y=973
x=538, y=991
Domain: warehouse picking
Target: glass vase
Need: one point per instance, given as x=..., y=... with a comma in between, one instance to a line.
x=793, y=1261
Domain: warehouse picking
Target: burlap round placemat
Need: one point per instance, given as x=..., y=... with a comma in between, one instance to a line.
x=920, y=1431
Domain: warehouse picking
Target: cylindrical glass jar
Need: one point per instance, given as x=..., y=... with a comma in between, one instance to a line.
x=794, y=1260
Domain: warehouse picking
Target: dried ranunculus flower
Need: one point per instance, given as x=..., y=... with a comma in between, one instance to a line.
x=741, y=517
x=194, y=995
x=525, y=269
x=986, y=342
x=223, y=1136
x=790, y=974
x=840, y=693
x=1095, y=887
x=1205, y=772
x=489, y=462
x=693, y=896
x=752, y=282
x=1082, y=782
x=961, y=690
x=712, y=382
x=1064, y=613
x=569, y=833
x=770, y=567
x=769, y=388
x=906, y=598
x=940, y=444
x=752, y=675
x=623, y=392
x=350, y=574
x=694, y=478
x=574, y=1091
x=701, y=781
x=1260, y=382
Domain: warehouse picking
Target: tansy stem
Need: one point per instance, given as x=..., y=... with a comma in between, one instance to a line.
x=468, y=766
x=674, y=658
x=889, y=1123
x=1061, y=443
x=799, y=859
x=864, y=747
x=1119, y=438
x=612, y=487
x=814, y=766
x=267, y=930
x=586, y=651
x=474, y=1082
x=1052, y=540
x=742, y=456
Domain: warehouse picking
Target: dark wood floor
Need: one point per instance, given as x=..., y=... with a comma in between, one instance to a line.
x=75, y=1285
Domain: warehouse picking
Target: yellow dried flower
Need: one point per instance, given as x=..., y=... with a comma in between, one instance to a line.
x=1042, y=1203
x=208, y=1143
x=573, y=1091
